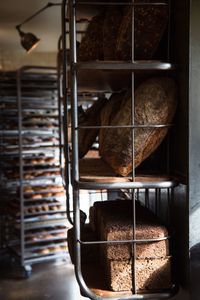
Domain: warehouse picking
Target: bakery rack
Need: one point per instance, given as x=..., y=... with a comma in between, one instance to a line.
x=153, y=191
x=36, y=223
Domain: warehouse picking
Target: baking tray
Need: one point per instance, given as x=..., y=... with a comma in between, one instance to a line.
x=58, y=208
x=61, y=199
x=34, y=174
x=43, y=189
x=41, y=224
x=44, y=217
x=33, y=162
x=31, y=251
x=108, y=77
x=50, y=238
x=49, y=229
x=31, y=132
x=44, y=236
x=27, y=150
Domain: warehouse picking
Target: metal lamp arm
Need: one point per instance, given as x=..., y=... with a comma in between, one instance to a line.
x=49, y=4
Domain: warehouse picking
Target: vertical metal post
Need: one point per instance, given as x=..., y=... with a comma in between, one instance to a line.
x=74, y=103
x=156, y=202
x=169, y=193
x=169, y=31
x=59, y=74
x=168, y=154
x=65, y=106
x=133, y=152
x=147, y=198
x=21, y=187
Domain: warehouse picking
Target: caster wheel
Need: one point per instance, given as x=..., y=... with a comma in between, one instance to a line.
x=26, y=274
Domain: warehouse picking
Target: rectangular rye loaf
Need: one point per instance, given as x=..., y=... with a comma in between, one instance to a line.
x=114, y=222
x=151, y=274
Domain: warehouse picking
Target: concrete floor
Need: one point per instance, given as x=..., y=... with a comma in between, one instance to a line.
x=56, y=281
x=52, y=281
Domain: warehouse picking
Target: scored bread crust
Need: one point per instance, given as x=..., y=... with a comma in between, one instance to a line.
x=155, y=103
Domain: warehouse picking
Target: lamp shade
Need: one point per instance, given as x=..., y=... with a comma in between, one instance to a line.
x=29, y=41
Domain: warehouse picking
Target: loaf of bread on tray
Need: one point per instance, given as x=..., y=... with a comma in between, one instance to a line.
x=113, y=222
x=150, y=22
x=109, y=34
x=113, y=17
x=155, y=104
x=87, y=136
x=91, y=46
x=151, y=274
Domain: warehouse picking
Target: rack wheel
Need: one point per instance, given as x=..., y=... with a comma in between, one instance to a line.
x=26, y=272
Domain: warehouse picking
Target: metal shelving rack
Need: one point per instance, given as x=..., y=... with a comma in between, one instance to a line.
x=85, y=100
x=139, y=188
x=36, y=223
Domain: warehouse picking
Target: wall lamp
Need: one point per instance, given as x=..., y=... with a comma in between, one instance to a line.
x=28, y=40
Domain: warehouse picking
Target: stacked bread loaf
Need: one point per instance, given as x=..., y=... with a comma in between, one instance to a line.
x=113, y=221
x=152, y=260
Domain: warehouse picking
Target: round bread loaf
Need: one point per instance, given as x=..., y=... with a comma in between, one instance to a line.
x=46, y=195
x=43, y=251
x=91, y=46
x=155, y=103
x=149, y=25
x=45, y=207
x=88, y=136
x=37, y=196
x=111, y=25
x=58, y=194
x=28, y=189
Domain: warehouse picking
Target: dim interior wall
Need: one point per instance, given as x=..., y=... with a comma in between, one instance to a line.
x=194, y=113
x=11, y=59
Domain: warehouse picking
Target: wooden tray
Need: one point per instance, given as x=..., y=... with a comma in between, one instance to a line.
x=96, y=170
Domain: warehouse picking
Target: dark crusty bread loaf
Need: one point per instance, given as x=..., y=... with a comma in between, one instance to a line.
x=111, y=25
x=91, y=46
x=151, y=274
x=149, y=25
x=155, y=103
x=109, y=34
x=91, y=118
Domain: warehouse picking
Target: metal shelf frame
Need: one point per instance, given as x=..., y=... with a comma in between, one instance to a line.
x=71, y=9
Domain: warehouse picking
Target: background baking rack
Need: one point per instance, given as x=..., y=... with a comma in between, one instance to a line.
x=34, y=206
